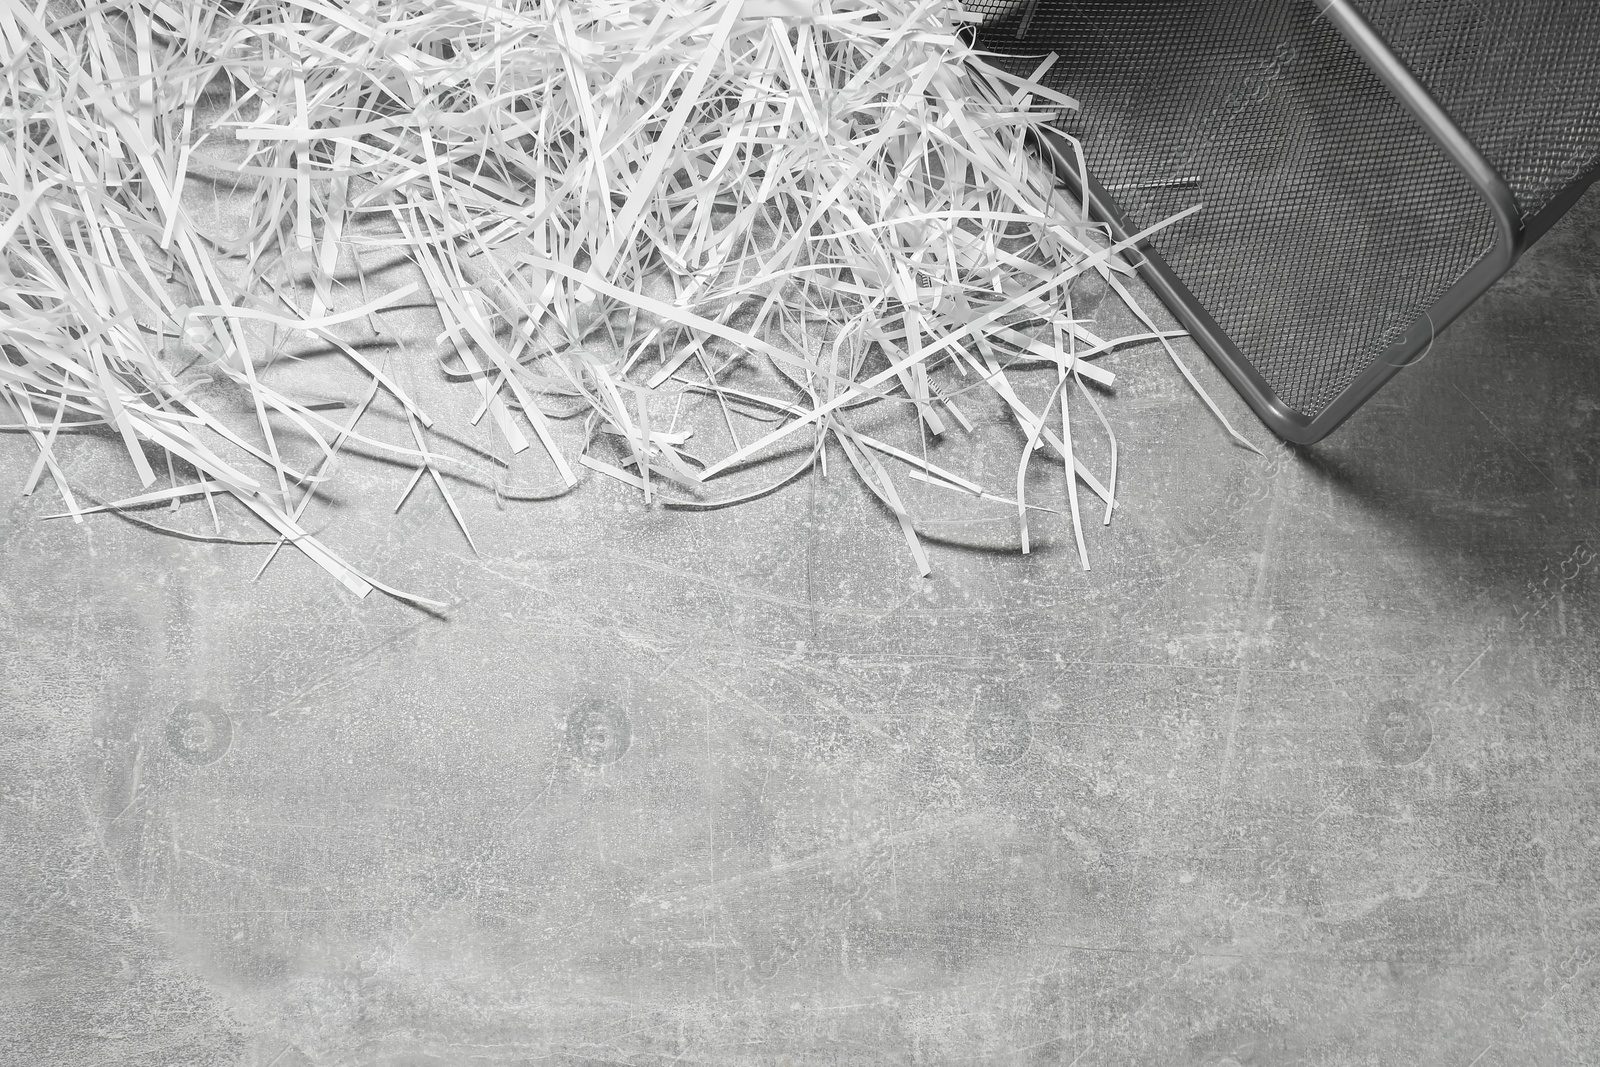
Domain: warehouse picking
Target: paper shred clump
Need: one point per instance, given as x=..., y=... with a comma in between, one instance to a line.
x=614, y=206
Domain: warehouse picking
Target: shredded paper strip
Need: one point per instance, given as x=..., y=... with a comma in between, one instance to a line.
x=613, y=207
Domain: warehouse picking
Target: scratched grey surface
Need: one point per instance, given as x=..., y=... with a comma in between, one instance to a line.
x=1303, y=772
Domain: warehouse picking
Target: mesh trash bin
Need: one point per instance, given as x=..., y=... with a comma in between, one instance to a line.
x=1368, y=167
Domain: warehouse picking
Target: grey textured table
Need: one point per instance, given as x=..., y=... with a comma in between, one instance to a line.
x=1303, y=771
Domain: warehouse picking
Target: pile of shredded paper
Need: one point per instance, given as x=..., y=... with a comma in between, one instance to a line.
x=791, y=212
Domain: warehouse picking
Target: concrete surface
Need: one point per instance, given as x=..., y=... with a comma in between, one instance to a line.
x=1302, y=772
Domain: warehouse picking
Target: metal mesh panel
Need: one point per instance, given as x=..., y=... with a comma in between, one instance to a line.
x=1520, y=77
x=1331, y=221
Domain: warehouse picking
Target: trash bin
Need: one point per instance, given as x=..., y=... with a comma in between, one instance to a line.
x=1368, y=167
